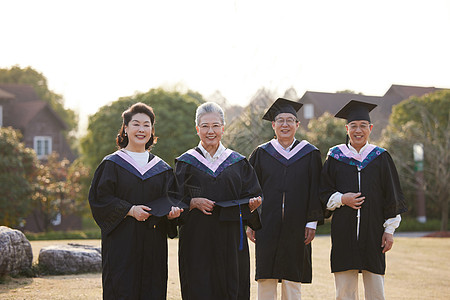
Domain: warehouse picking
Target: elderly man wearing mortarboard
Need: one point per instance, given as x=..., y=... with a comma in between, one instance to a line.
x=289, y=173
x=361, y=188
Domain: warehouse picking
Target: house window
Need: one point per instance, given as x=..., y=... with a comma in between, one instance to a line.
x=308, y=111
x=1, y=116
x=42, y=146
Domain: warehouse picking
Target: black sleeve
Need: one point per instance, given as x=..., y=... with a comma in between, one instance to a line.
x=172, y=228
x=315, y=208
x=327, y=185
x=181, y=186
x=108, y=210
x=250, y=189
x=394, y=201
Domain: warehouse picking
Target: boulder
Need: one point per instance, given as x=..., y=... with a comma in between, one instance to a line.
x=70, y=259
x=15, y=251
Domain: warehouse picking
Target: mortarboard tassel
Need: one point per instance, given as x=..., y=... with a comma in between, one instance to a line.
x=241, y=229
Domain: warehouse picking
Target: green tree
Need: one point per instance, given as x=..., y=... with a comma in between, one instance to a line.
x=326, y=132
x=59, y=189
x=78, y=182
x=174, y=126
x=17, y=168
x=248, y=130
x=423, y=120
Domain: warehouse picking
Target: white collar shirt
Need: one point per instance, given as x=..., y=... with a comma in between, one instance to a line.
x=215, y=156
x=360, y=150
x=288, y=148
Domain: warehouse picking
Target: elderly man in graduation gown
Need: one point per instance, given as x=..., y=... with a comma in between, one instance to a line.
x=289, y=173
x=213, y=251
x=129, y=201
x=360, y=187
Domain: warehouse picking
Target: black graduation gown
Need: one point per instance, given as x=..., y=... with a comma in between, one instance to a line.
x=211, y=264
x=384, y=199
x=281, y=252
x=134, y=254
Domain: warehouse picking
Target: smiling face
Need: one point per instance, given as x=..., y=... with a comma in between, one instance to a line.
x=139, y=132
x=358, y=132
x=210, y=130
x=285, y=126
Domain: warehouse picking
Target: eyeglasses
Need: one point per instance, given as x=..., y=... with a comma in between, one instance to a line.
x=362, y=126
x=215, y=127
x=289, y=121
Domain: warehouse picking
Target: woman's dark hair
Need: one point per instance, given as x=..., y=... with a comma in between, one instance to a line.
x=137, y=108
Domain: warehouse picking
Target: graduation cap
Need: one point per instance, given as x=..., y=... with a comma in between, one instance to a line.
x=356, y=110
x=282, y=105
x=162, y=206
x=238, y=210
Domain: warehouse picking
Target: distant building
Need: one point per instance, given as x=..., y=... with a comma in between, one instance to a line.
x=41, y=127
x=317, y=103
x=42, y=130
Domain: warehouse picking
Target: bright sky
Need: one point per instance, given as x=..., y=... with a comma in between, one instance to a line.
x=93, y=52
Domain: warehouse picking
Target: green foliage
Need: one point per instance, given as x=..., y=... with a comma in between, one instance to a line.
x=78, y=181
x=88, y=222
x=324, y=228
x=248, y=131
x=59, y=188
x=411, y=225
x=174, y=125
x=326, y=132
x=50, y=189
x=436, y=105
x=423, y=120
x=407, y=225
x=17, y=167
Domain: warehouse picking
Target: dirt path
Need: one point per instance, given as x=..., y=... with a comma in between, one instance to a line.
x=417, y=269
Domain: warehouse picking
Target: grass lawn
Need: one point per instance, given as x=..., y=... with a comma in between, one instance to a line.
x=417, y=268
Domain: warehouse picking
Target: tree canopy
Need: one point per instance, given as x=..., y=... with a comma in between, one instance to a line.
x=423, y=120
x=60, y=188
x=326, y=132
x=17, y=168
x=174, y=125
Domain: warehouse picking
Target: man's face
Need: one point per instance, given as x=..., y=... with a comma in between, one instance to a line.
x=358, y=132
x=285, y=126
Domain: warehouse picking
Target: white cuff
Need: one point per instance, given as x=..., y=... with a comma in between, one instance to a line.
x=391, y=224
x=312, y=225
x=335, y=201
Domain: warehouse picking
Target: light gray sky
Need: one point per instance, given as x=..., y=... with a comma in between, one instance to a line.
x=93, y=52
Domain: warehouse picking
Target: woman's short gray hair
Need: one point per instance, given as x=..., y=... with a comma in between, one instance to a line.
x=209, y=107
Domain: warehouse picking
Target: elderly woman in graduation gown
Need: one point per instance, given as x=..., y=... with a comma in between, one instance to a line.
x=213, y=250
x=361, y=188
x=129, y=201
